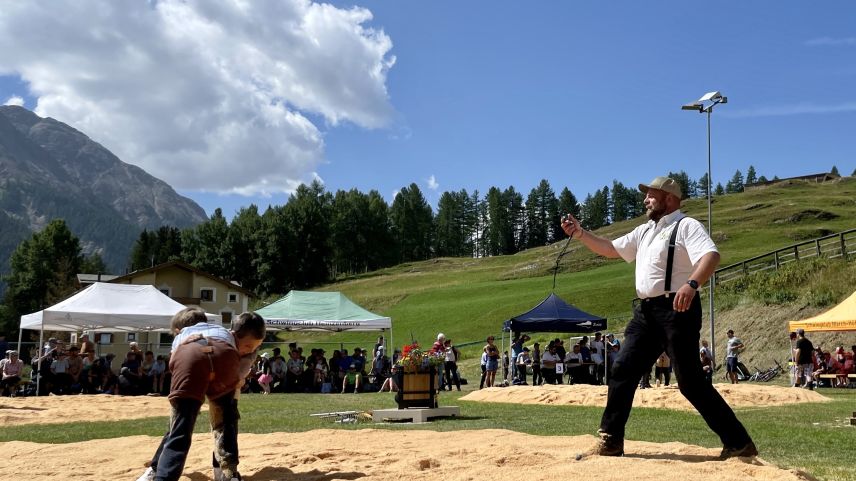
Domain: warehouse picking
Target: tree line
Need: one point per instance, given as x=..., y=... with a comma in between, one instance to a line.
x=318, y=236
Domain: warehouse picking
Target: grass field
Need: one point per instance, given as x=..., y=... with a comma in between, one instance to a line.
x=815, y=438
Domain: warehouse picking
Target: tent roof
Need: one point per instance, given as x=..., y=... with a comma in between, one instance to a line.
x=555, y=315
x=107, y=307
x=840, y=318
x=322, y=311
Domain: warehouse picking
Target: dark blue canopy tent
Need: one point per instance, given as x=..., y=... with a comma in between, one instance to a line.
x=555, y=315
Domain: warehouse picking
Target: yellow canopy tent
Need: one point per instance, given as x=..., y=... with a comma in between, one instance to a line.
x=840, y=318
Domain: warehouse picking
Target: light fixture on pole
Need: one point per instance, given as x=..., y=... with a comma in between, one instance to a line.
x=705, y=105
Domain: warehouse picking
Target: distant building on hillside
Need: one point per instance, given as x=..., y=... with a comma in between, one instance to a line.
x=184, y=284
x=191, y=286
x=813, y=178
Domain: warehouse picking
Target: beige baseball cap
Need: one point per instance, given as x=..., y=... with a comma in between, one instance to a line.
x=666, y=184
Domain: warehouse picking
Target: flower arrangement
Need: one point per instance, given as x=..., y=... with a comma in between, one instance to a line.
x=415, y=359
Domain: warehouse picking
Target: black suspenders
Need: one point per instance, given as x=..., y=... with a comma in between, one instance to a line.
x=670, y=260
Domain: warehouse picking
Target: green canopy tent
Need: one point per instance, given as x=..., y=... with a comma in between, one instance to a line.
x=321, y=311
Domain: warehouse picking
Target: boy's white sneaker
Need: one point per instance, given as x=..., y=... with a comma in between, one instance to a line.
x=148, y=475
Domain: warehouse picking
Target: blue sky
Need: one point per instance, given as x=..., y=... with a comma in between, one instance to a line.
x=482, y=94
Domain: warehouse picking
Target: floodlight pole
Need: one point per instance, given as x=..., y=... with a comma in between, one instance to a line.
x=712, y=280
x=712, y=98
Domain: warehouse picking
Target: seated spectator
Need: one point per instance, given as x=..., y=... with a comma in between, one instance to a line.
x=389, y=384
x=11, y=368
x=277, y=371
x=75, y=369
x=353, y=380
x=128, y=383
x=134, y=373
x=294, y=373
x=320, y=371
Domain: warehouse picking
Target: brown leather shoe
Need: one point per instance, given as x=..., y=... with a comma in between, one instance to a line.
x=607, y=445
x=745, y=451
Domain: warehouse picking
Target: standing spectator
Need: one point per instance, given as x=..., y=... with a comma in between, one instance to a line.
x=732, y=350
x=492, y=363
x=805, y=363
x=438, y=349
x=537, y=378
x=157, y=373
x=483, y=369
x=11, y=368
x=598, y=350
x=611, y=341
x=516, y=349
x=523, y=363
x=674, y=256
x=706, y=363
x=548, y=365
x=59, y=372
x=574, y=366
x=663, y=369
x=294, y=373
x=451, y=364
x=505, y=366
x=86, y=346
x=793, y=364
x=379, y=345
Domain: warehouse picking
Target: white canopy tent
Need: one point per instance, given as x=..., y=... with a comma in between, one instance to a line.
x=105, y=307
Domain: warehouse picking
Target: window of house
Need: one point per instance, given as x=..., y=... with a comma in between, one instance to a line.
x=206, y=295
x=226, y=318
x=131, y=337
x=105, y=338
x=233, y=297
x=165, y=339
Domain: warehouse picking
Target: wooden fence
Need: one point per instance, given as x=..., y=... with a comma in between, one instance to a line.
x=842, y=244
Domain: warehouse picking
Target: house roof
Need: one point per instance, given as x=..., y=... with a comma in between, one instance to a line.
x=187, y=267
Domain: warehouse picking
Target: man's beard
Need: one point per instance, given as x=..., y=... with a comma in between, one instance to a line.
x=655, y=214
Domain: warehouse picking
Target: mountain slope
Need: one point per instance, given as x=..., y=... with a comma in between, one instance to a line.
x=50, y=170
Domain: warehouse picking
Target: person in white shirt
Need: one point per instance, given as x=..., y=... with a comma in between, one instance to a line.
x=674, y=256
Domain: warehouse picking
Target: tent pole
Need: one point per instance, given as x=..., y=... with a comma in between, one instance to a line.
x=39, y=350
x=20, y=336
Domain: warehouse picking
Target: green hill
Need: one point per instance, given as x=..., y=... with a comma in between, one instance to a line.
x=470, y=298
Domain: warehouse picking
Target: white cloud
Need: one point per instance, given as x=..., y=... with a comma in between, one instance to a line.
x=830, y=42
x=15, y=100
x=206, y=95
x=796, y=109
x=432, y=183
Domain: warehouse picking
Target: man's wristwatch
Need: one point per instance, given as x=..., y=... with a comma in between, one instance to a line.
x=693, y=284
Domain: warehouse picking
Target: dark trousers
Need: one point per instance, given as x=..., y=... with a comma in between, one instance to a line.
x=537, y=378
x=483, y=375
x=171, y=455
x=656, y=327
x=451, y=368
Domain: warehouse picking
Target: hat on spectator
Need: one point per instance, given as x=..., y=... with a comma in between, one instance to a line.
x=801, y=332
x=265, y=355
x=441, y=336
x=12, y=352
x=666, y=184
